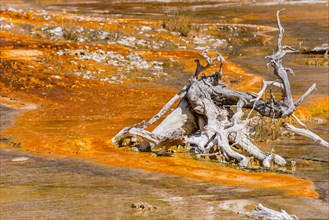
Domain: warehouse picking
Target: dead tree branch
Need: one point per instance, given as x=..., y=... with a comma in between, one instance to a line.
x=306, y=133
x=261, y=212
x=209, y=117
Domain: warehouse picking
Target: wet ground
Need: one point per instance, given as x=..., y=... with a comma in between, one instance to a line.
x=62, y=188
x=46, y=188
x=84, y=99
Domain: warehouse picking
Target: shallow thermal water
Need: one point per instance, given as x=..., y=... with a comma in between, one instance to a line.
x=303, y=27
x=62, y=188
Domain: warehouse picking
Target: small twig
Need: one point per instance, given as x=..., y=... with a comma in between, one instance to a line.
x=221, y=59
x=289, y=70
x=206, y=57
x=281, y=30
x=301, y=99
x=200, y=68
x=261, y=92
x=299, y=121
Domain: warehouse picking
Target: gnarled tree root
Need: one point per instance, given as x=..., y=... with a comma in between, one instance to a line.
x=261, y=212
x=205, y=119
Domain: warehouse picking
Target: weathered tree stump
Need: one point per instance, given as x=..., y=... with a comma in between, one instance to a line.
x=261, y=212
x=209, y=116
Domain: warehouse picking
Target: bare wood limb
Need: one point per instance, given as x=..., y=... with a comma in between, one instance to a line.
x=209, y=61
x=246, y=144
x=261, y=212
x=306, y=133
x=146, y=135
x=120, y=136
x=261, y=92
x=299, y=121
x=288, y=106
x=182, y=120
x=301, y=99
x=206, y=57
x=222, y=141
x=201, y=68
x=165, y=108
x=126, y=131
x=281, y=30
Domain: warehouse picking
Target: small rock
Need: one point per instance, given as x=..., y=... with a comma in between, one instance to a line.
x=15, y=10
x=56, y=77
x=318, y=120
x=58, y=31
x=101, y=52
x=19, y=159
x=200, y=48
x=127, y=41
x=147, y=35
x=175, y=33
x=143, y=206
x=60, y=53
x=218, y=43
x=6, y=26
x=199, y=40
x=146, y=28
x=293, y=166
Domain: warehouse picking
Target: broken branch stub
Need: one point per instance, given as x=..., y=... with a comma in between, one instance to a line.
x=209, y=117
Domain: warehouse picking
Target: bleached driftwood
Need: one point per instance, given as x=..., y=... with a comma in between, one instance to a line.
x=205, y=119
x=261, y=212
x=306, y=133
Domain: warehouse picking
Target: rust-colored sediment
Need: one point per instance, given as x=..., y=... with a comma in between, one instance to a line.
x=208, y=172
x=78, y=117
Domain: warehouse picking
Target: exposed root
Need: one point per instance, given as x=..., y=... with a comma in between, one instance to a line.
x=261, y=212
x=206, y=121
